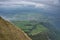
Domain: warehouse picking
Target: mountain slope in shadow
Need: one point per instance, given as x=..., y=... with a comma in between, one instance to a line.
x=9, y=31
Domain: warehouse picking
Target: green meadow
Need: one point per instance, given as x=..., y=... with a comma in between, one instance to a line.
x=30, y=27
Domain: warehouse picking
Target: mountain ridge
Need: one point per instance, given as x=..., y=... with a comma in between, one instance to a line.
x=8, y=31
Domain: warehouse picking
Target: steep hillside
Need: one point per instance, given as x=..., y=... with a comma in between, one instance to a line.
x=10, y=32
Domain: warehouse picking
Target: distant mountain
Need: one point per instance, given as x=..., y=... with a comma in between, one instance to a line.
x=9, y=31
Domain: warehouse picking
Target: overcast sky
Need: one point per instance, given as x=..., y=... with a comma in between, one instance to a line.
x=37, y=3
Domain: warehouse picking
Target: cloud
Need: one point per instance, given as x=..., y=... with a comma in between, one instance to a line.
x=45, y=4
x=40, y=1
x=3, y=0
x=30, y=2
x=21, y=3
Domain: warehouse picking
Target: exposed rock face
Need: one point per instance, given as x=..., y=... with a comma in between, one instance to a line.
x=9, y=31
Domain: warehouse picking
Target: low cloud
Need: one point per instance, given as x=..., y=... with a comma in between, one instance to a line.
x=36, y=3
x=21, y=3
x=45, y=4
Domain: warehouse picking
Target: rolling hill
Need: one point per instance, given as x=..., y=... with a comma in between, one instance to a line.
x=36, y=30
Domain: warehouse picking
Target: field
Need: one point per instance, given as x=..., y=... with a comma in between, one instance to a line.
x=30, y=27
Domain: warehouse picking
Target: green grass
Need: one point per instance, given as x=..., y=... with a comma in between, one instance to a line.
x=22, y=24
x=34, y=29
x=39, y=28
x=28, y=25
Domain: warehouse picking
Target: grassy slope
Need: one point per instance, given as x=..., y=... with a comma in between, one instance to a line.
x=10, y=32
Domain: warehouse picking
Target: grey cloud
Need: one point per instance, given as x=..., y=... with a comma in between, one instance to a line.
x=3, y=0
x=52, y=2
x=47, y=3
